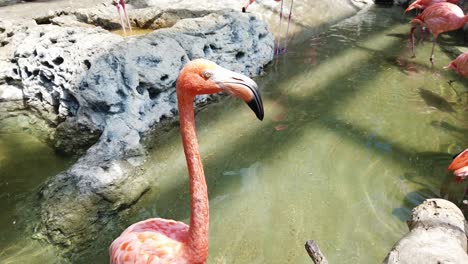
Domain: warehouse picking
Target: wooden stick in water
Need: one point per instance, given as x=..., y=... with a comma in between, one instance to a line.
x=314, y=252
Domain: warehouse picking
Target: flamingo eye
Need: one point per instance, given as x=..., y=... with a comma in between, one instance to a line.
x=207, y=74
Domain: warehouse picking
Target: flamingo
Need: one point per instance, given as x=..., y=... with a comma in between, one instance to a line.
x=164, y=241
x=460, y=166
x=439, y=18
x=120, y=4
x=278, y=49
x=460, y=65
x=423, y=4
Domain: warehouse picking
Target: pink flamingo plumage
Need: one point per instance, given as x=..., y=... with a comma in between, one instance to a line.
x=439, y=18
x=459, y=166
x=161, y=241
x=460, y=64
x=423, y=4
x=120, y=4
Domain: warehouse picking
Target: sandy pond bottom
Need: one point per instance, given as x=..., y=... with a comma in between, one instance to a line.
x=356, y=134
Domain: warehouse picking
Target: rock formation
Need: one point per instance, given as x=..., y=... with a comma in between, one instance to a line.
x=437, y=234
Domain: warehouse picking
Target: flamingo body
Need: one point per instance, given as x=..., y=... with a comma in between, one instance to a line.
x=460, y=65
x=423, y=4
x=459, y=166
x=161, y=241
x=152, y=241
x=441, y=17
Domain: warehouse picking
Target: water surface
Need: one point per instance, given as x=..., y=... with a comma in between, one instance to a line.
x=356, y=133
x=25, y=164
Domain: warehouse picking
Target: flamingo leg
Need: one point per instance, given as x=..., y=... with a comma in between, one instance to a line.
x=244, y=9
x=278, y=48
x=287, y=29
x=126, y=17
x=432, y=53
x=121, y=19
x=412, y=41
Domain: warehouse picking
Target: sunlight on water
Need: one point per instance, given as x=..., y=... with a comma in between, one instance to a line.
x=356, y=133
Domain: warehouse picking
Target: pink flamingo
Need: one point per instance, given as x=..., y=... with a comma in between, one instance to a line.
x=164, y=241
x=423, y=4
x=120, y=4
x=278, y=49
x=460, y=64
x=460, y=166
x=439, y=18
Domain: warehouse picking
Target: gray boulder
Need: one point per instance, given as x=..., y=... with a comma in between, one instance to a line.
x=437, y=235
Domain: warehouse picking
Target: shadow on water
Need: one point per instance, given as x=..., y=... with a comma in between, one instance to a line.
x=435, y=100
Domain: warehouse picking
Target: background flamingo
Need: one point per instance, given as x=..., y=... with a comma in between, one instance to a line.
x=460, y=166
x=460, y=64
x=423, y=4
x=120, y=4
x=439, y=18
x=166, y=241
x=278, y=49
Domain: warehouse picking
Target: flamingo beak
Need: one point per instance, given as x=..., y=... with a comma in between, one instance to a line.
x=240, y=86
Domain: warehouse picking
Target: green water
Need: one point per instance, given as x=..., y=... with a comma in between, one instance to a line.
x=356, y=133
x=25, y=164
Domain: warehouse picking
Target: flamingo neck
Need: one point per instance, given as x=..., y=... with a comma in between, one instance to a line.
x=197, y=240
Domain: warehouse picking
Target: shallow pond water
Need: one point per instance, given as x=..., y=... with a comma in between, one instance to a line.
x=356, y=133
x=25, y=164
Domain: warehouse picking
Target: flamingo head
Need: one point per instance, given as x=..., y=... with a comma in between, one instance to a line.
x=202, y=76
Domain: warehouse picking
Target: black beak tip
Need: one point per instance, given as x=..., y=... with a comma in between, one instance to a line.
x=257, y=108
x=243, y=10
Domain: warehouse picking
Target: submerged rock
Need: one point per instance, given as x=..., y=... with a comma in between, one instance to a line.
x=437, y=234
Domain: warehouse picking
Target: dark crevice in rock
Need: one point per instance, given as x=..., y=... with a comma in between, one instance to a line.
x=38, y=96
x=206, y=50
x=164, y=77
x=240, y=55
x=153, y=93
x=121, y=93
x=57, y=61
x=47, y=64
x=27, y=72
x=87, y=63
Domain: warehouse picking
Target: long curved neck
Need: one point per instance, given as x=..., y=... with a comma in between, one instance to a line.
x=197, y=240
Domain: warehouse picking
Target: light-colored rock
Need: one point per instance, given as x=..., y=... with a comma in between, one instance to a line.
x=437, y=234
